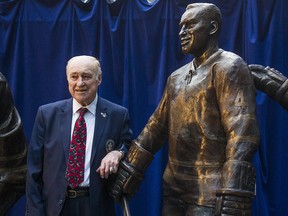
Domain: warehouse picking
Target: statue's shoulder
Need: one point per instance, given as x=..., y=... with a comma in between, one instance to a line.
x=179, y=74
x=230, y=57
x=181, y=70
x=229, y=61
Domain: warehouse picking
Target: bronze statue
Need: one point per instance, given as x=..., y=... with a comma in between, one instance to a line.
x=272, y=82
x=12, y=150
x=207, y=113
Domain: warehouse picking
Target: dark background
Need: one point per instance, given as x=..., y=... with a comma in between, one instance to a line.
x=138, y=47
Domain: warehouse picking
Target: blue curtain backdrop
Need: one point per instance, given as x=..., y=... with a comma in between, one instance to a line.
x=138, y=47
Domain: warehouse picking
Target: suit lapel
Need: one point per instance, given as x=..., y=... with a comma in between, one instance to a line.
x=65, y=127
x=100, y=122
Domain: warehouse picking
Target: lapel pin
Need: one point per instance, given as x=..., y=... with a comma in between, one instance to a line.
x=103, y=114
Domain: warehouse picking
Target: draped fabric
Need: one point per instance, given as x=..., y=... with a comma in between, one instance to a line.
x=138, y=46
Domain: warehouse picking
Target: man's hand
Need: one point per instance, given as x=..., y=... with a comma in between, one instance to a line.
x=109, y=164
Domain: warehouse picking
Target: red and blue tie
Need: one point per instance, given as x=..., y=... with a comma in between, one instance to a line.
x=76, y=158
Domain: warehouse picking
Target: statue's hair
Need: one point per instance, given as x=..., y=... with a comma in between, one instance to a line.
x=210, y=11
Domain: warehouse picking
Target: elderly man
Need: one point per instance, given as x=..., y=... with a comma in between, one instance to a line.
x=75, y=145
x=207, y=113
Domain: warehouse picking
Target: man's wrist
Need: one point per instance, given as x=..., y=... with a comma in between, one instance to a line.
x=122, y=154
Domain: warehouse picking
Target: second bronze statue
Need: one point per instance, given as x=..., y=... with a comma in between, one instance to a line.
x=13, y=149
x=207, y=113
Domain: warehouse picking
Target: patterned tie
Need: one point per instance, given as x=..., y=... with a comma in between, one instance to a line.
x=76, y=158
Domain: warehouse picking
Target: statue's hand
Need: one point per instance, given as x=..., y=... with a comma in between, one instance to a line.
x=233, y=205
x=125, y=182
x=130, y=172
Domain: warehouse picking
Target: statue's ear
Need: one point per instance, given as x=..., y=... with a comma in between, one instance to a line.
x=213, y=27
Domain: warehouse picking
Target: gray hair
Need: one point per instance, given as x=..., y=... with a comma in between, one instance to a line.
x=90, y=61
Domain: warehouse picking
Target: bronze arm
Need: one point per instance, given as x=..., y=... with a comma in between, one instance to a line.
x=271, y=82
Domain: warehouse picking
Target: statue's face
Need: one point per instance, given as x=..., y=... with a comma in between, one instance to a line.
x=194, y=33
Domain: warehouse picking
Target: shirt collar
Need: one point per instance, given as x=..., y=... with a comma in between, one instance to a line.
x=91, y=107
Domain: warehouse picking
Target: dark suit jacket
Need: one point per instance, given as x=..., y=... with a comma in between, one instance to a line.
x=48, y=152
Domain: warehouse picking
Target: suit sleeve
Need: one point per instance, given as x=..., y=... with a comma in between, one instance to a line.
x=35, y=168
x=126, y=133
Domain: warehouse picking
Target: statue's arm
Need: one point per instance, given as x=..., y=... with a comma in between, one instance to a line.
x=271, y=82
x=236, y=99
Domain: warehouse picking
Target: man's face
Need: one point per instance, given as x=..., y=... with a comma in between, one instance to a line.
x=194, y=33
x=82, y=81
